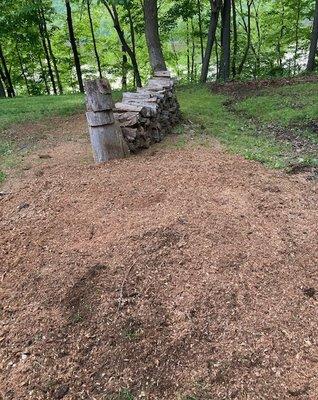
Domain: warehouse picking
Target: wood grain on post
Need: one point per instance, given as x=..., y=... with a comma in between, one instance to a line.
x=105, y=133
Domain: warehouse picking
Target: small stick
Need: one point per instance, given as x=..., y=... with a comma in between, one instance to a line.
x=121, y=292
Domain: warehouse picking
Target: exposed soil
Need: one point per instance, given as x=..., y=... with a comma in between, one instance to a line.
x=174, y=274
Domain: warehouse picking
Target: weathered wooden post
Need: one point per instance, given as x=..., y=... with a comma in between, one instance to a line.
x=105, y=133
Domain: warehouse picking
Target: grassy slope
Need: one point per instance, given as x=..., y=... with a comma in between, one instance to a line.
x=235, y=132
x=240, y=132
x=26, y=109
x=284, y=105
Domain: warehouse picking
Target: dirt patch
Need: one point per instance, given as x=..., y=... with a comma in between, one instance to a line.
x=195, y=279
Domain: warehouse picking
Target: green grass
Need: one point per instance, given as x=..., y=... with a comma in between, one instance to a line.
x=283, y=105
x=237, y=133
x=29, y=109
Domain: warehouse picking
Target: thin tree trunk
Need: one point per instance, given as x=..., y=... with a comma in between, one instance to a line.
x=313, y=43
x=43, y=73
x=74, y=46
x=7, y=77
x=47, y=55
x=51, y=53
x=23, y=70
x=200, y=29
x=193, y=51
x=280, y=38
x=132, y=36
x=188, y=53
x=259, y=41
x=214, y=16
x=226, y=41
x=217, y=58
x=248, y=44
x=157, y=61
x=124, y=71
x=297, y=36
x=2, y=89
x=235, y=39
x=114, y=15
x=175, y=56
x=88, y=2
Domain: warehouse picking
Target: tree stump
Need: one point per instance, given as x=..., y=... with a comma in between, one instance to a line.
x=105, y=133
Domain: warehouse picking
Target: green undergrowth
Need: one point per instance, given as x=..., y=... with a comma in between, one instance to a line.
x=246, y=132
x=29, y=109
x=283, y=105
x=236, y=133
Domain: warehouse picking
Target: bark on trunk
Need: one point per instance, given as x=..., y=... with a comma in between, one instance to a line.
x=132, y=36
x=23, y=72
x=2, y=89
x=43, y=74
x=47, y=36
x=74, y=46
x=114, y=15
x=214, y=16
x=124, y=72
x=313, y=43
x=248, y=32
x=7, y=77
x=235, y=39
x=225, y=41
x=157, y=61
x=200, y=29
x=46, y=52
x=88, y=2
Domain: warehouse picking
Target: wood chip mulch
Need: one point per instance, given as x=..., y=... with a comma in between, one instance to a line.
x=185, y=274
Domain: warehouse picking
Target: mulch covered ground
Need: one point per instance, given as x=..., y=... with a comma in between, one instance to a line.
x=174, y=274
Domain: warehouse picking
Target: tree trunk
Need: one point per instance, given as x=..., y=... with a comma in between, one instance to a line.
x=88, y=2
x=200, y=29
x=74, y=46
x=6, y=77
x=2, y=89
x=188, y=53
x=313, y=43
x=214, y=16
x=46, y=52
x=47, y=36
x=114, y=15
x=297, y=36
x=43, y=73
x=132, y=36
x=248, y=32
x=217, y=58
x=124, y=72
x=259, y=41
x=225, y=41
x=193, y=51
x=23, y=70
x=235, y=39
x=157, y=61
